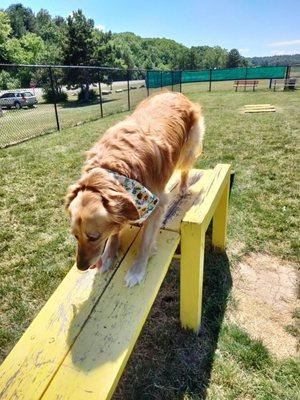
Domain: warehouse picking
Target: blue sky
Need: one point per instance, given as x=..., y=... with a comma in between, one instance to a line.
x=255, y=27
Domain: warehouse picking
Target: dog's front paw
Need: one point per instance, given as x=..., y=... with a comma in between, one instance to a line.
x=135, y=275
x=183, y=190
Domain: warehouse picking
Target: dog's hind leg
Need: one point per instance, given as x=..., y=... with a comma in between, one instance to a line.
x=191, y=150
x=183, y=182
x=110, y=252
x=136, y=273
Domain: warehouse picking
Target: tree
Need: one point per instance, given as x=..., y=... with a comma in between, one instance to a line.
x=79, y=49
x=5, y=30
x=214, y=57
x=195, y=58
x=7, y=81
x=234, y=59
x=275, y=60
x=80, y=38
x=53, y=32
x=22, y=20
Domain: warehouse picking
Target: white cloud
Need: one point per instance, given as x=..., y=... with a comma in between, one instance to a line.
x=100, y=27
x=243, y=51
x=285, y=43
x=283, y=52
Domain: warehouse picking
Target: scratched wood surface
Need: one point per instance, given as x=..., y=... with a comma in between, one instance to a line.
x=94, y=364
x=28, y=369
x=178, y=206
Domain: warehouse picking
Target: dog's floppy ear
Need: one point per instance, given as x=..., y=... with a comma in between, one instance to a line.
x=72, y=193
x=120, y=205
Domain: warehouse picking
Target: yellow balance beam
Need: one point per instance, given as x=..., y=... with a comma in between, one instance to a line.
x=94, y=364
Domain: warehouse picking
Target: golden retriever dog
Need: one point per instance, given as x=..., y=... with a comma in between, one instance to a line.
x=164, y=133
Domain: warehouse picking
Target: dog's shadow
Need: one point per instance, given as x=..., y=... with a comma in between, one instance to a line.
x=169, y=362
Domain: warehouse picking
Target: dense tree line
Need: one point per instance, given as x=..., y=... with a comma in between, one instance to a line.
x=28, y=38
x=275, y=60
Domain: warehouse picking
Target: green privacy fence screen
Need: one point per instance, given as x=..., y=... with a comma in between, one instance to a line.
x=196, y=76
x=157, y=79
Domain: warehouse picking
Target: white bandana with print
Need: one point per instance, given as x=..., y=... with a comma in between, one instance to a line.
x=144, y=200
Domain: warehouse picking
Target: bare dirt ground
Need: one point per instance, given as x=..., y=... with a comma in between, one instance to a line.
x=265, y=297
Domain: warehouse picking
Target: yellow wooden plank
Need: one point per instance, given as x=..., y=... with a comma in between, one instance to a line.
x=191, y=274
x=30, y=366
x=260, y=110
x=94, y=364
x=178, y=206
x=203, y=209
x=220, y=220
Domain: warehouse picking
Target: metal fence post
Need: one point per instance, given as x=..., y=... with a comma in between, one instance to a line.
x=210, y=76
x=147, y=82
x=54, y=98
x=287, y=72
x=270, y=84
x=128, y=89
x=246, y=73
x=180, y=82
x=100, y=94
x=161, y=80
x=172, y=75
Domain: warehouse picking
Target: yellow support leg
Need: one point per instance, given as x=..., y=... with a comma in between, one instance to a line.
x=191, y=274
x=220, y=220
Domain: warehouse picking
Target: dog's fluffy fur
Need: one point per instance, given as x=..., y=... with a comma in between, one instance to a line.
x=164, y=133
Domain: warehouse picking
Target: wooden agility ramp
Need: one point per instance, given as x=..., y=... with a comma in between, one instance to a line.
x=258, y=108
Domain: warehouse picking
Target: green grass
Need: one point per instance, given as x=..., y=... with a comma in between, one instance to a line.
x=167, y=363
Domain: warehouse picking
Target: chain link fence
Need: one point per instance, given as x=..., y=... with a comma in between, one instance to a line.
x=35, y=100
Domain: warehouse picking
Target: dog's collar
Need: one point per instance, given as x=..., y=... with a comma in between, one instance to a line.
x=144, y=200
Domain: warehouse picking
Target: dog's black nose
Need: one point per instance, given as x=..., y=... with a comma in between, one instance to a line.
x=82, y=265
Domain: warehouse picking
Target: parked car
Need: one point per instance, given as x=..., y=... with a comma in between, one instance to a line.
x=17, y=100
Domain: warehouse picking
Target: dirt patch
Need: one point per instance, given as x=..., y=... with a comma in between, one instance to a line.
x=265, y=299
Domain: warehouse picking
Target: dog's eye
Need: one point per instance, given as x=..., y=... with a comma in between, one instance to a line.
x=76, y=236
x=93, y=238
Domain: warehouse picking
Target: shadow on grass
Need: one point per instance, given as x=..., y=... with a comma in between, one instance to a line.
x=169, y=362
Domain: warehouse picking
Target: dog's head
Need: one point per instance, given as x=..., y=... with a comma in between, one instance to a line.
x=99, y=207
